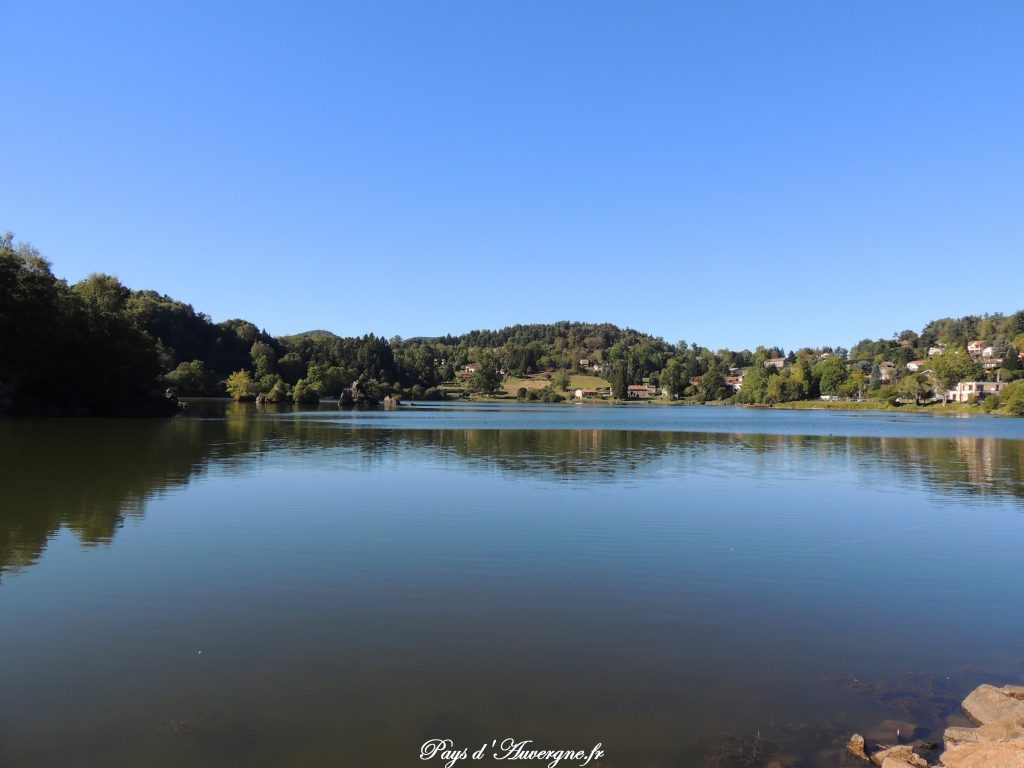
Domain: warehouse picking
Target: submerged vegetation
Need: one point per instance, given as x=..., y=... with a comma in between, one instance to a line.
x=98, y=347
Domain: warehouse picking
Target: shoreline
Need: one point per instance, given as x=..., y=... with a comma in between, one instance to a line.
x=959, y=410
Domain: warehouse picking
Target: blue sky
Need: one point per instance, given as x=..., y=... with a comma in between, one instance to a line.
x=730, y=173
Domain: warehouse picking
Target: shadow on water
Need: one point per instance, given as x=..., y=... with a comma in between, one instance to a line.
x=88, y=476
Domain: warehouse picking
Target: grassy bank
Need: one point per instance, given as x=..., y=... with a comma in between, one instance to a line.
x=936, y=409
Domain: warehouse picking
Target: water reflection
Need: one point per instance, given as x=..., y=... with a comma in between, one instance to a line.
x=107, y=470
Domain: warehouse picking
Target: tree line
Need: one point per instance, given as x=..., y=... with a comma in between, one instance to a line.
x=99, y=347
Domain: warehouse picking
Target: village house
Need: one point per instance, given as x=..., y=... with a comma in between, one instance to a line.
x=468, y=370
x=974, y=348
x=966, y=391
x=640, y=391
x=933, y=351
x=992, y=363
x=734, y=383
x=988, y=352
x=778, y=362
x=916, y=365
x=587, y=394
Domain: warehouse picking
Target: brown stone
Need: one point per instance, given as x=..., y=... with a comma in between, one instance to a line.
x=903, y=752
x=987, y=754
x=987, y=704
x=895, y=762
x=856, y=747
x=1001, y=731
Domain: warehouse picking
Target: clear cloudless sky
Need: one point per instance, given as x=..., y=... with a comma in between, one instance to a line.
x=730, y=173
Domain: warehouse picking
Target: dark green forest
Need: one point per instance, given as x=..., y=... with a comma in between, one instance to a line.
x=99, y=348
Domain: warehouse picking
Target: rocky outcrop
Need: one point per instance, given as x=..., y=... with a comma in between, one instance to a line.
x=997, y=742
x=901, y=754
x=856, y=747
x=987, y=704
x=986, y=754
x=392, y=402
x=358, y=395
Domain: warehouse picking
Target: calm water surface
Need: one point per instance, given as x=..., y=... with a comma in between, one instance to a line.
x=687, y=586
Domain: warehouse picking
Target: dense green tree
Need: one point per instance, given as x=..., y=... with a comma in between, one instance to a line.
x=832, y=374
x=304, y=393
x=65, y=352
x=620, y=385
x=192, y=379
x=952, y=367
x=673, y=378
x=241, y=386
x=486, y=379
x=712, y=386
x=916, y=387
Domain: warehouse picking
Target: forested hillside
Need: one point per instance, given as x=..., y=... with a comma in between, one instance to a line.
x=98, y=347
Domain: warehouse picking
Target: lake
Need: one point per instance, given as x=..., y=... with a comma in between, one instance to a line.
x=687, y=586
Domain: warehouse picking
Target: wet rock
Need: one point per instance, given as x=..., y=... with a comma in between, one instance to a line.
x=856, y=747
x=261, y=398
x=1001, y=731
x=988, y=754
x=895, y=762
x=358, y=395
x=901, y=752
x=987, y=704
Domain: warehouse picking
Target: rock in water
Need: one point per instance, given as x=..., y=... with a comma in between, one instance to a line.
x=988, y=754
x=856, y=747
x=902, y=753
x=358, y=395
x=987, y=704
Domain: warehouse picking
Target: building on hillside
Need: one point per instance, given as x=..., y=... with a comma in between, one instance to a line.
x=970, y=390
x=587, y=394
x=975, y=347
x=734, y=383
x=916, y=365
x=778, y=362
x=641, y=391
x=992, y=363
x=933, y=351
x=468, y=370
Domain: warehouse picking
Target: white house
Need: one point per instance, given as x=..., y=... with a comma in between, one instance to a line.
x=969, y=390
x=916, y=365
x=975, y=347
